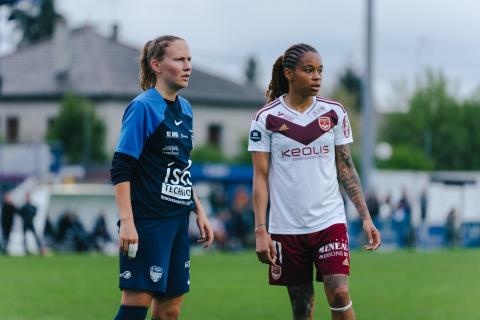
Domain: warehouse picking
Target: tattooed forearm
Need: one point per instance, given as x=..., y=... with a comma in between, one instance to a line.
x=302, y=301
x=348, y=177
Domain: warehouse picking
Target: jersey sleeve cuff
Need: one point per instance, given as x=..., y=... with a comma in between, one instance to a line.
x=258, y=149
x=342, y=142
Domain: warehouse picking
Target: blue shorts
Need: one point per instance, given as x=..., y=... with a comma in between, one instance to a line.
x=162, y=263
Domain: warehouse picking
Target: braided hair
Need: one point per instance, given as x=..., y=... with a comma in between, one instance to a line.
x=153, y=49
x=279, y=84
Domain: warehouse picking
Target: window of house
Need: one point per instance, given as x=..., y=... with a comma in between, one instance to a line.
x=215, y=135
x=12, y=129
x=50, y=122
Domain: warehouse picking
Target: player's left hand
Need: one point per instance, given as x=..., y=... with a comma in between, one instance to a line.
x=206, y=231
x=373, y=235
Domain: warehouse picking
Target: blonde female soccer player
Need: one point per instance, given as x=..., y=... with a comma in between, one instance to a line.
x=153, y=187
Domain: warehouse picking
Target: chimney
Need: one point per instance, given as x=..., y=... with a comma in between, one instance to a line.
x=114, y=35
x=61, y=53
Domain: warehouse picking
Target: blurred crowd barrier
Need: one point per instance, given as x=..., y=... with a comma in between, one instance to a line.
x=412, y=209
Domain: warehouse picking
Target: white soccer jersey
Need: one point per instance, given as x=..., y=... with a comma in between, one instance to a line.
x=303, y=187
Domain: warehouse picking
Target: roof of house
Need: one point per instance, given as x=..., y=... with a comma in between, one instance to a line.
x=101, y=68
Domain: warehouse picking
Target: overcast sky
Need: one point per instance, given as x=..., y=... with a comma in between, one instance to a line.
x=409, y=35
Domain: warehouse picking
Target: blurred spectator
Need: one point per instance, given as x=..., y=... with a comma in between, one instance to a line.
x=218, y=199
x=49, y=236
x=403, y=222
x=8, y=212
x=241, y=220
x=373, y=205
x=423, y=206
x=71, y=233
x=386, y=209
x=27, y=213
x=450, y=228
x=100, y=234
x=218, y=222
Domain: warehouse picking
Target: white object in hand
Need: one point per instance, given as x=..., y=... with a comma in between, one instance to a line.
x=132, y=250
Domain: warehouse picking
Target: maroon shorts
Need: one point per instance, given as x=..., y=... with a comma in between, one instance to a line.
x=296, y=254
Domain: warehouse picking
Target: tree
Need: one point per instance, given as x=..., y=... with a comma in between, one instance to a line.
x=347, y=92
x=244, y=156
x=80, y=131
x=352, y=83
x=35, y=26
x=208, y=153
x=437, y=125
x=251, y=71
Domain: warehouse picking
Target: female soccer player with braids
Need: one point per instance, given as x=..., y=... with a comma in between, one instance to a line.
x=153, y=188
x=300, y=151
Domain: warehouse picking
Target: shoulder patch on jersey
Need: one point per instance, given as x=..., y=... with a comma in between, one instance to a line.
x=255, y=135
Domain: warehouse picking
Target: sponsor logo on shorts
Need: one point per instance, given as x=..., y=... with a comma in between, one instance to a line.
x=126, y=275
x=156, y=273
x=276, y=272
x=187, y=264
x=334, y=249
x=255, y=135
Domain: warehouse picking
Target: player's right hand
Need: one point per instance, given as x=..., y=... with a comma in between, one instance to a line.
x=265, y=249
x=128, y=234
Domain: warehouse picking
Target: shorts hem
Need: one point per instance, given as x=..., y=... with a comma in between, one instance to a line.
x=163, y=293
x=142, y=289
x=172, y=294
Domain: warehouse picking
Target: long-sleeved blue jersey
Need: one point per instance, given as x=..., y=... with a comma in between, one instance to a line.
x=153, y=153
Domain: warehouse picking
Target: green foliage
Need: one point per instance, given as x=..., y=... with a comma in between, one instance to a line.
x=212, y=154
x=35, y=28
x=407, y=158
x=251, y=70
x=80, y=131
x=244, y=156
x=437, y=125
x=351, y=82
x=348, y=94
x=208, y=153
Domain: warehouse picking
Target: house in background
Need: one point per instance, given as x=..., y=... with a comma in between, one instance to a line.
x=35, y=78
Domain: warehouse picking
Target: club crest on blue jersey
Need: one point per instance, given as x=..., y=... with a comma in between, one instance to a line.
x=156, y=273
x=255, y=135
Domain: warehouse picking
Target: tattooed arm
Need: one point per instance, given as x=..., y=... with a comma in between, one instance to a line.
x=348, y=177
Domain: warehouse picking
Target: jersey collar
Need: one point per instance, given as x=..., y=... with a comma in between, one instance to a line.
x=282, y=101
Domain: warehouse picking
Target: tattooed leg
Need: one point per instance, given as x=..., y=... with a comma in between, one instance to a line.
x=302, y=301
x=336, y=289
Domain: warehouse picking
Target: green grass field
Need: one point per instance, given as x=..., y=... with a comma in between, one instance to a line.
x=390, y=285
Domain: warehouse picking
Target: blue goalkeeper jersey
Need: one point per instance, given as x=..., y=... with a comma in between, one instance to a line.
x=159, y=136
